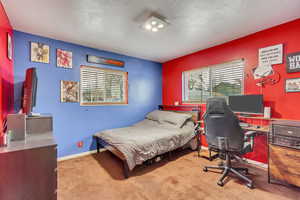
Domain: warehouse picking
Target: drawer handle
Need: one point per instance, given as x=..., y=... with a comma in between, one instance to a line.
x=290, y=132
x=55, y=169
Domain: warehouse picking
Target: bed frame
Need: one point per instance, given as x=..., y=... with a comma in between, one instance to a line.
x=194, y=110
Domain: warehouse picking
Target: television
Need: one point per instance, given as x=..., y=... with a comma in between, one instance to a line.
x=249, y=104
x=29, y=91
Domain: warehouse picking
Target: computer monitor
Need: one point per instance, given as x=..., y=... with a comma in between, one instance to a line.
x=249, y=104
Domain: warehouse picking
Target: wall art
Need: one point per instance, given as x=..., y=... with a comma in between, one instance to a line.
x=40, y=52
x=9, y=47
x=64, y=58
x=293, y=62
x=104, y=61
x=292, y=85
x=69, y=91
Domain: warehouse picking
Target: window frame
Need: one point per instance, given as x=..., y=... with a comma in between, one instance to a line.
x=125, y=76
x=210, y=68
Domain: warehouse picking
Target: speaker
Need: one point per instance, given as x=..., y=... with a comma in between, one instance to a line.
x=267, y=112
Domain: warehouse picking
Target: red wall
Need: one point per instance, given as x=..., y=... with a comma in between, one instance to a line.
x=283, y=105
x=6, y=69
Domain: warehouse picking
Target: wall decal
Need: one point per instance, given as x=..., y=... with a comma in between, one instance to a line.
x=39, y=52
x=270, y=55
x=9, y=47
x=64, y=58
x=293, y=62
x=292, y=85
x=69, y=91
x=104, y=61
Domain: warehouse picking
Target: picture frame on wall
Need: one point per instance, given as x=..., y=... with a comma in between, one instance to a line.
x=9, y=47
x=292, y=85
x=293, y=62
x=39, y=52
x=69, y=91
x=64, y=58
x=105, y=61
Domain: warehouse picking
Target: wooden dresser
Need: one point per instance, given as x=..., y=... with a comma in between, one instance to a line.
x=28, y=169
x=284, y=153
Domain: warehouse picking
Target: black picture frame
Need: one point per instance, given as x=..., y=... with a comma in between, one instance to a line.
x=293, y=62
x=294, y=85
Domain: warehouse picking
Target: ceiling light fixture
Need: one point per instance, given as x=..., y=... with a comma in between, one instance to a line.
x=155, y=24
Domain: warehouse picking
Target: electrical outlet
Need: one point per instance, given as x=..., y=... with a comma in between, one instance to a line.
x=80, y=144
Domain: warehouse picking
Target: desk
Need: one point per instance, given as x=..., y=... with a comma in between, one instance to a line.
x=262, y=129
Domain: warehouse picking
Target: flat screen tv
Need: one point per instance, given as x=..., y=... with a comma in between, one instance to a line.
x=29, y=91
x=252, y=104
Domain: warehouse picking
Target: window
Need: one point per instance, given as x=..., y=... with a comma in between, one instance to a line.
x=103, y=86
x=218, y=80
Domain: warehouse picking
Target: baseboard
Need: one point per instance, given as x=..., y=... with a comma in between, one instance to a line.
x=78, y=155
x=253, y=162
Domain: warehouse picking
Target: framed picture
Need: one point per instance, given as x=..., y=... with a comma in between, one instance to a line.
x=292, y=85
x=9, y=47
x=64, y=58
x=40, y=52
x=69, y=91
x=293, y=62
x=104, y=61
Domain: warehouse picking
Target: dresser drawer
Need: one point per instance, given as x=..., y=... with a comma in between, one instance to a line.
x=290, y=131
x=284, y=165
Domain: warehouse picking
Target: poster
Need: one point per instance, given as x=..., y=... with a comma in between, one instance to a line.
x=293, y=62
x=270, y=55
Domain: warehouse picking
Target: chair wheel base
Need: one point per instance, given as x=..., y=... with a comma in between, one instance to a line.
x=205, y=169
x=221, y=184
x=250, y=185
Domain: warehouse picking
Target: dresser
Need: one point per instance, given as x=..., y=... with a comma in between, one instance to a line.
x=284, y=153
x=28, y=168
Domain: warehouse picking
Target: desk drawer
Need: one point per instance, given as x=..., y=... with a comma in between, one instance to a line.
x=284, y=165
x=290, y=131
x=285, y=141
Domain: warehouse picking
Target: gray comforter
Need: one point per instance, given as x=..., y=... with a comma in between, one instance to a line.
x=147, y=139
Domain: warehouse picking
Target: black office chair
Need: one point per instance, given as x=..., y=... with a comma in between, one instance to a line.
x=224, y=135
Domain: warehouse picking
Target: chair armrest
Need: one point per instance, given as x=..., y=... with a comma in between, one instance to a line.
x=249, y=134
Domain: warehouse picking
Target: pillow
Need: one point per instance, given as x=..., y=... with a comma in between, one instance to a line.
x=154, y=115
x=178, y=119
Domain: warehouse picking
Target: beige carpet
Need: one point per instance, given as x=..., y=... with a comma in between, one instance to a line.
x=100, y=176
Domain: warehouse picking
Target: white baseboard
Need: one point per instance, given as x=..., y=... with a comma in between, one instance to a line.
x=78, y=155
x=253, y=162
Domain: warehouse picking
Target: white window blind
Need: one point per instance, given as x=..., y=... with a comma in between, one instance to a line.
x=102, y=86
x=224, y=79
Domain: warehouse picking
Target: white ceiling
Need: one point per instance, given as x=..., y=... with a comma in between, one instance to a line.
x=115, y=25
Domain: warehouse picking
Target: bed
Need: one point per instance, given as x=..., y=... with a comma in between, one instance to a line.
x=161, y=132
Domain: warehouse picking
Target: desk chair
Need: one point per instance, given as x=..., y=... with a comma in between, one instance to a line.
x=224, y=134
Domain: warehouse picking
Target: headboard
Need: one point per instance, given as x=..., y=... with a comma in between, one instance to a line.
x=195, y=111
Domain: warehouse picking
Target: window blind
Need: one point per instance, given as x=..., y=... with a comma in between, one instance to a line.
x=102, y=86
x=224, y=79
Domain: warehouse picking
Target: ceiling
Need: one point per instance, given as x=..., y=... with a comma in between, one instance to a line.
x=116, y=25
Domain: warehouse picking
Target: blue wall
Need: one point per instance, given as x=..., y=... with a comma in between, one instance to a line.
x=72, y=122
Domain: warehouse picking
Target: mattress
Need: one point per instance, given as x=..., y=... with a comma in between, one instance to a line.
x=147, y=139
